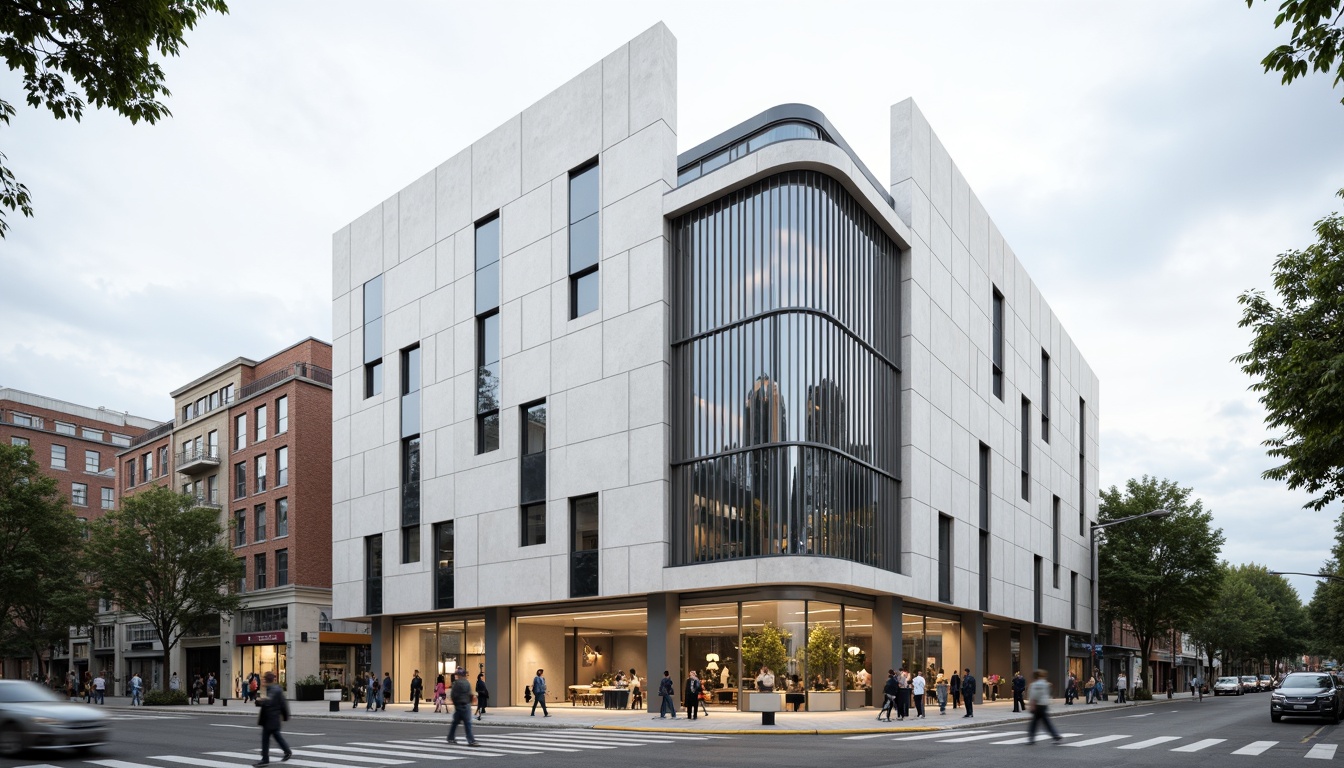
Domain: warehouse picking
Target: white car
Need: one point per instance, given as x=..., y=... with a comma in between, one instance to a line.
x=1227, y=685
x=33, y=717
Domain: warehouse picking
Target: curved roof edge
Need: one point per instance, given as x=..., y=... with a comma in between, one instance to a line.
x=773, y=115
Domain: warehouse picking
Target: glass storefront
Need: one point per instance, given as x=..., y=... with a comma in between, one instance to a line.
x=262, y=659
x=582, y=653
x=433, y=649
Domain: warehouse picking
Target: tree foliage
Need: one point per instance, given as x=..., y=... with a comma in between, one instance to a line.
x=1235, y=619
x=768, y=647
x=164, y=559
x=1317, y=42
x=1156, y=574
x=77, y=52
x=1326, y=610
x=1297, y=357
x=1286, y=630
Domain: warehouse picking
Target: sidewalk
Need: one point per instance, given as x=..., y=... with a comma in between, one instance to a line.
x=719, y=721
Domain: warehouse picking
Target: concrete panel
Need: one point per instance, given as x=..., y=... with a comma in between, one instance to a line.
x=614, y=275
x=340, y=262
x=391, y=232
x=452, y=200
x=526, y=220
x=526, y=376
x=616, y=96
x=653, y=78
x=648, y=395
x=536, y=322
x=634, y=340
x=526, y=270
x=648, y=273
x=563, y=130
x=366, y=247
x=410, y=280
x=633, y=220
x=597, y=409
x=416, y=211
x=496, y=172
x=647, y=156
x=577, y=358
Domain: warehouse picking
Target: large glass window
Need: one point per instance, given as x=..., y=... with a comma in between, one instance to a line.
x=282, y=415
x=487, y=382
x=58, y=457
x=996, y=343
x=281, y=517
x=373, y=574
x=584, y=241
x=583, y=571
x=373, y=337
x=532, y=475
x=443, y=565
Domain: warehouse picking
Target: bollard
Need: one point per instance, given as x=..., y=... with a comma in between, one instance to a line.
x=767, y=718
x=333, y=706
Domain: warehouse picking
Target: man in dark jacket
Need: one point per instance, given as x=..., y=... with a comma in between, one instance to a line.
x=968, y=692
x=955, y=684
x=417, y=689
x=274, y=709
x=460, y=694
x=387, y=691
x=665, y=690
x=889, y=693
x=1019, y=688
x=692, y=694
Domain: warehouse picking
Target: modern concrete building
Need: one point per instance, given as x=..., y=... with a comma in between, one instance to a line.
x=599, y=406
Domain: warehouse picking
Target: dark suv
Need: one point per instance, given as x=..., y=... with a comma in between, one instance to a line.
x=1308, y=694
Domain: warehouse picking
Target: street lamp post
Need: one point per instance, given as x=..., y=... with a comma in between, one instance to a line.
x=1096, y=612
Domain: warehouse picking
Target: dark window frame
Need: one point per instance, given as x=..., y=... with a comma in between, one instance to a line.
x=1045, y=396
x=944, y=558
x=1025, y=430
x=996, y=340
x=444, y=564
x=578, y=276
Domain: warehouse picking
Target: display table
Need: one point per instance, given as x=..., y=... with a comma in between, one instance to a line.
x=615, y=697
x=586, y=695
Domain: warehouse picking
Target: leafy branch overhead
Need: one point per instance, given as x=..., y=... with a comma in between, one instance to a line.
x=1317, y=42
x=73, y=53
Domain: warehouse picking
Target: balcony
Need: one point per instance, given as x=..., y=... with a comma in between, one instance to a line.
x=295, y=370
x=196, y=460
x=209, y=501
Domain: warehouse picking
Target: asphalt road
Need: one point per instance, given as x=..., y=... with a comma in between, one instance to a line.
x=1204, y=734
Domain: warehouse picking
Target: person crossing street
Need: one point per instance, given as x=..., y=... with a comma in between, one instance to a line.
x=274, y=709
x=462, y=697
x=1038, y=701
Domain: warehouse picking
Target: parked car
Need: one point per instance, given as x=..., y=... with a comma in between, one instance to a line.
x=1249, y=683
x=1308, y=694
x=1229, y=686
x=34, y=717
x=1266, y=683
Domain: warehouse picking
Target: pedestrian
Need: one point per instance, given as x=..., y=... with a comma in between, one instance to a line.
x=968, y=693
x=665, y=691
x=482, y=695
x=197, y=689
x=889, y=691
x=691, y=694
x=1197, y=687
x=371, y=696
x=636, y=692
x=955, y=686
x=1171, y=686
x=417, y=690
x=136, y=689
x=1070, y=689
x=1019, y=691
x=940, y=690
x=210, y=685
x=254, y=686
x=238, y=689
x=917, y=692
x=386, y=692
x=539, y=694
x=72, y=686
x=1039, y=703
x=274, y=709
x=99, y=687
x=86, y=689
x=440, y=695
x=1090, y=690
x=1121, y=688
x=903, y=694
x=462, y=699
x=356, y=691
x=174, y=684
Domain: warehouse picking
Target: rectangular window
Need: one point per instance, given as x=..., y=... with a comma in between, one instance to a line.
x=16, y=441
x=214, y=400
x=79, y=495
x=944, y=559
x=534, y=524
x=281, y=517
x=147, y=461
x=996, y=343
x=1073, y=600
x=240, y=432
x=92, y=434
x=130, y=471
x=227, y=393
x=443, y=565
x=584, y=241
x=282, y=415
x=260, y=417
x=212, y=489
x=212, y=444
x=583, y=573
x=410, y=544
x=91, y=461
x=984, y=570
x=240, y=528
x=259, y=522
x=281, y=567
x=1038, y=581
x=240, y=480
x=373, y=337
x=984, y=487
x=532, y=474
x=58, y=457
x=123, y=441
x=107, y=498
x=63, y=428
x=487, y=383
x=410, y=391
x=261, y=473
x=1054, y=537
x=1045, y=397
x=259, y=570
x=21, y=419
x=373, y=574
x=487, y=265
x=282, y=467
x=1025, y=459
x=1082, y=467
x=242, y=574
x=410, y=481
x=163, y=460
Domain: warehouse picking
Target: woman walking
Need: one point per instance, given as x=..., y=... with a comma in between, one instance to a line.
x=440, y=695
x=482, y=695
x=940, y=691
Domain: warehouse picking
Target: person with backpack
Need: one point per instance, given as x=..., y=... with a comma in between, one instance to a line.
x=137, y=689
x=274, y=709
x=539, y=694
x=462, y=699
x=665, y=691
x=386, y=692
x=211, y=685
x=889, y=695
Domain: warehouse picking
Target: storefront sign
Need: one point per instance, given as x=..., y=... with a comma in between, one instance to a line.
x=259, y=638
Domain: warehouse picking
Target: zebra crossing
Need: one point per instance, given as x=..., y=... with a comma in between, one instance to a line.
x=1115, y=741
x=408, y=751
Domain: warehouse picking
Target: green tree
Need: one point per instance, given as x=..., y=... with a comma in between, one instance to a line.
x=1326, y=610
x=164, y=559
x=823, y=652
x=1234, y=621
x=42, y=589
x=768, y=647
x=1317, y=42
x=1297, y=357
x=1157, y=574
x=102, y=50
x=1286, y=632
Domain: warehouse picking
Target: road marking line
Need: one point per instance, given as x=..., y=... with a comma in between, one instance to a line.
x=971, y=738
x=1024, y=740
x=350, y=758
x=461, y=748
x=489, y=740
x=634, y=735
x=1145, y=714
x=1150, y=742
x=1255, y=748
x=1198, y=745
x=305, y=763
x=384, y=749
x=1098, y=740
x=189, y=761
x=108, y=763
x=864, y=736
x=938, y=735
x=1323, y=751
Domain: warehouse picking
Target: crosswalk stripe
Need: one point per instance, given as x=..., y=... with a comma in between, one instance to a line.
x=1024, y=739
x=637, y=734
x=1149, y=742
x=187, y=761
x=347, y=758
x=605, y=742
x=971, y=738
x=39, y=765
x=461, y=748
x=489, y=740
x=1255, y=748
x=1098, y=740
x=115, y=764
x=1198, y=745
x=385, y=749
x=1323, y=751
x=251, y=758
x=939, y=735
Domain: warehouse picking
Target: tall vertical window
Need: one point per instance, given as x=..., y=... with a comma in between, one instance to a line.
x=107, y=498
x=997, y=343
x=240, y=480
x=373, y=337
x=1038, y=581
x=281, y=467
x=259, y=520
x=261, y=473
x=163, y=460
x=212, y=489
x=583, y=575
x=443, y=565
x=148, y=464
x=984, y=570
x=1045, y=397
x=1054, y=540
x=532, y=480
x=239, y=528
x=79, y=494
x=58, y=457
x=240, y=432
x=212, y=444
x=261, y=423
x=410, y=455
x=130, y=472
x=281, y=517
x=1082, y=467
x=373, y=574
x=281, y=567
x=1025, y=429
x=944, y=559
x=242, y=574
x=487, y=335
x=983, y=539
x=259, y=570
x=91, y=462
x=1073, y=599
x=584, y=241
x=282, y=415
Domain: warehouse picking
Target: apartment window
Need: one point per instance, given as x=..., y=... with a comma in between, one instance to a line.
x=212, y=444
x=91, y=461
x=373, y=574
x=281, y=567
x=410, y=544
x=186, y=412
x=240, y=528
x=21, y=419
x=281, y=517
x=487, y=335
x=1054, y=539
x=137, y=633
x=1025, y=430
x=130, y=472
x=107, y=498
x=163, y=460
x=212, y=489
x=281, y=467
x=240, y=480
x=122, y=441
x=584, y=241
x=1073, y=599
x=242, y=574
x=92, y=434
x=259, y=521
x=1045, y=397
x=984, y=487
x=282, y=415
x=534, y=524
x=410, y=391
x=17, y=441
x=261, y=423
x=443, y=565
x=984, y=570
x=532, y=477
x=147, y=461
x=240, y=432
x=227, y=393
x=997, y=343
x=214, y=400
x=410, y=500
x=79, y=495
x=373, y=337
x=944, y=559
x=1082, y=467
x=259, y=570
x=1038, y=580
x=261, y=473
x=62, y=428
x=583, y=573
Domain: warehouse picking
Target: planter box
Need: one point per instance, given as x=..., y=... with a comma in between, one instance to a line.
x=856, y=699
x=308, y=692
x=823, y=701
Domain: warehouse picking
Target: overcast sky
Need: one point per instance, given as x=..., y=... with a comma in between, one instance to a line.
x=1140, y=163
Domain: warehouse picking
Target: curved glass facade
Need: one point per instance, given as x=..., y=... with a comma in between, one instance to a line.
x=785, y=346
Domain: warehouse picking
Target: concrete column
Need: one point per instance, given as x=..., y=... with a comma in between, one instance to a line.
x=664, y=646
x=1052, y=657
x=498, y=658
x=1029, y=652
x=972, y=648
x=1000, y=656
x=886, y=638
x=382, y=640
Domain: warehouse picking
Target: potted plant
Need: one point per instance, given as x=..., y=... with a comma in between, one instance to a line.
x=309, y=688
x=765, y=648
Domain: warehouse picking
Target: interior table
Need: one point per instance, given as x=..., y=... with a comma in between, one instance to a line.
x=614, y=697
